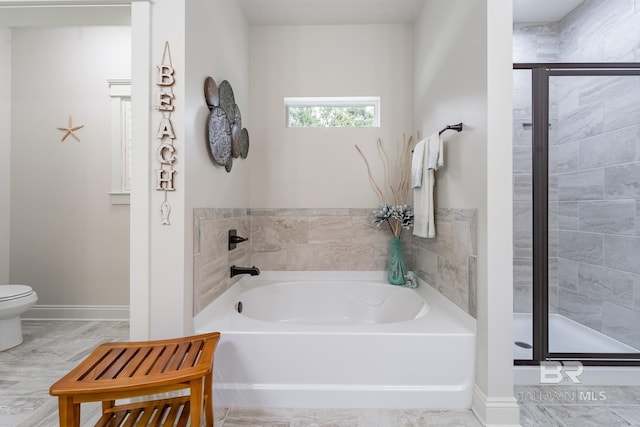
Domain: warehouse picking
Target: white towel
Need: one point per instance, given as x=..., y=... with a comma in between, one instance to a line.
x=435, y=160
x=423, y=207
x=417, y=162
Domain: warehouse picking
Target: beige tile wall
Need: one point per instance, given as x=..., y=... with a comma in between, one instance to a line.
x=448, y=262
x=330, y=240
x=317, y=240
x=212, y=258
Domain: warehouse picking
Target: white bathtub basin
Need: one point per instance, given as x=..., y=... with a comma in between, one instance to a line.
x=339, y=340
x=332, y=302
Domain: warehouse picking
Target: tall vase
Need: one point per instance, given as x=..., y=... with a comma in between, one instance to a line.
x=397, y=267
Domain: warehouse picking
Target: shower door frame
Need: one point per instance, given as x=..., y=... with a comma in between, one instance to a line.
x=540, y=74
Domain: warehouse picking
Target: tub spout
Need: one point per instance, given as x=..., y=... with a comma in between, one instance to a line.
x=253, y=271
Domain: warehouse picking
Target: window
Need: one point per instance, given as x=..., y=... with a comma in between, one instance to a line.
x=332, y=112
x=120, y=92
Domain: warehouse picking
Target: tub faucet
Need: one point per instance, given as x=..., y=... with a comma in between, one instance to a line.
x=254, y=271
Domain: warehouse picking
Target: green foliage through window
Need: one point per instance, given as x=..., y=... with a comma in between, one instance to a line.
x=332, y=112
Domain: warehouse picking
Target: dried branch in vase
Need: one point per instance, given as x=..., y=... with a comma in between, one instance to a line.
x=394, y=191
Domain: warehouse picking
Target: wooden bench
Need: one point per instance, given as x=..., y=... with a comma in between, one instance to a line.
x=122, y=370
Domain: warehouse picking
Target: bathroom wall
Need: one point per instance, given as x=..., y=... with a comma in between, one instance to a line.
x=601, y=31
x=207, y=38
x=283, y=240
x=462, y=57
x=319, y=167
x=218, y=46
x=449, y=262
x=67, y=241
x=443, y=98
x=311, y=222
x=598, y=173
x=346, y=240
x=331, y=240
x=5, y=147
x=594, y=172
x=211, y=255
x=318, y=240
x=217, y=41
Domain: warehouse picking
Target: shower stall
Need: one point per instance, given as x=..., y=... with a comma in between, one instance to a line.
x=577, y=213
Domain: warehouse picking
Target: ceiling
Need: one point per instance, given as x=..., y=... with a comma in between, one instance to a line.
x=64, y=13
x=263, y=12
x=310, y=12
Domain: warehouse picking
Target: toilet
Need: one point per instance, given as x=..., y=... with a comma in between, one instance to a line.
x=14, y=300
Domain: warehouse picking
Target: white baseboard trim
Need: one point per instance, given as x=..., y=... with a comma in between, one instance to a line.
x=77, y=312
x=495, y=411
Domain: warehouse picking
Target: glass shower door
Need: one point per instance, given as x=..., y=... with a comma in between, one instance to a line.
x=593, y=205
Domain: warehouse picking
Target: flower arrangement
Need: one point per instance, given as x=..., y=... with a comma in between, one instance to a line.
x=398, y=217
x=394, y=192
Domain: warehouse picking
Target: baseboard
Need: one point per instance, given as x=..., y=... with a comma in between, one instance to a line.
x=77, y=312
x=495, y=411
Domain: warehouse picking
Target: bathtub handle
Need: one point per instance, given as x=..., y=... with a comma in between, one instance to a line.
x=234, y=239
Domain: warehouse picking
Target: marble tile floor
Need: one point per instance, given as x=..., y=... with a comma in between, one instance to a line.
x=51, y=348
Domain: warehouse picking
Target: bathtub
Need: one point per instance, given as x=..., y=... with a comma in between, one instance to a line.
x=339, y=340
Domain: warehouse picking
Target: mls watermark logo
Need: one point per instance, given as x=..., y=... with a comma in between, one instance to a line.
x=566, y=373
x=557, y=372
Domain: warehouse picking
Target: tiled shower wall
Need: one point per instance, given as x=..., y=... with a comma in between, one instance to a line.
x=594, y=194
x=598, y=192
x=331, y=240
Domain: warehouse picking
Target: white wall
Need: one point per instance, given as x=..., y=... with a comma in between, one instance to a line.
x=168, y=302
x=494, y=400
x=450, y=87
x=140, y=227
x=463, y=73
x=217, y=42
x=207, y=38
x=319, y=167
x=67, y=241
x=5, y=148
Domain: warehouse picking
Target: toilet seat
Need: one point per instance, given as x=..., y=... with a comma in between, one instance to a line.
x=11, y=292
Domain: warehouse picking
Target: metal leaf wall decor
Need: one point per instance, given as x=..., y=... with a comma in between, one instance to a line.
x=225, y=134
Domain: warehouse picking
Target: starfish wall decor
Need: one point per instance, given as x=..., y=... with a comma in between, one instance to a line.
x=70, y=129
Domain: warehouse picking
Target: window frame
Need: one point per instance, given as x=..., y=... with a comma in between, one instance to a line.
x=332, y=101
x=120, y=93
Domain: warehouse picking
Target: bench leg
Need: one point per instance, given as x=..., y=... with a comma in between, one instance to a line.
x=196, y=402
x=208, y=400
x=68, y=412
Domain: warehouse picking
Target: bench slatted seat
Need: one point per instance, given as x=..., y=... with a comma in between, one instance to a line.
x=122, y=370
